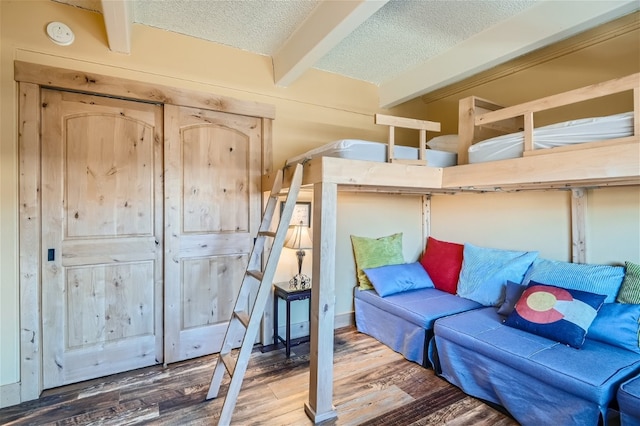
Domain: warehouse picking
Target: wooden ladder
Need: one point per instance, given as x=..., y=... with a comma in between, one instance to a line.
x=245, y=321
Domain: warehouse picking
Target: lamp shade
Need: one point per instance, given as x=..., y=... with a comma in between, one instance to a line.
x=298, y=238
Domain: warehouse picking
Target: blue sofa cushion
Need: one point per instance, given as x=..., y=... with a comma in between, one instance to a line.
x=485, y=272
x=420, y=307
x=593, y=372
x=617, y=324
x=512, y=294
x=599, y=279
x=557, y=313
x=392, y=279
x=629, y=401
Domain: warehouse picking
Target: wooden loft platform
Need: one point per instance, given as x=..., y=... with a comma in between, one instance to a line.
x=615, y=165
x=357, y=175
x=613, y=162
x=602, y=166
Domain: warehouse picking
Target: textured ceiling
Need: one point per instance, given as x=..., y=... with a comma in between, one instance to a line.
x=371, y=53
x=406, y=47
x=258, y=26
x=405, y=33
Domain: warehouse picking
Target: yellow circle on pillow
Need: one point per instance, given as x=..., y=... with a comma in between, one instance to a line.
x=541, y=301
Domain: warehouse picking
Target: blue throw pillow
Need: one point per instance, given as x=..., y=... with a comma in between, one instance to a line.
x=392, y=279
x=485, y=272
x=599, y=279
x=617, y=324
x=556, y=313
x=512, y=294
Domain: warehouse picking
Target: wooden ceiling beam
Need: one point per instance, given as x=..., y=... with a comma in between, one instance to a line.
x=328, y=25
x=118, y=22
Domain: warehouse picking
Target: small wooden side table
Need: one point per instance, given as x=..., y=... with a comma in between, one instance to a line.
x=284, y=292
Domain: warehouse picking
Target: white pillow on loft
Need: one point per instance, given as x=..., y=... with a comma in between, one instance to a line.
x=447, y=143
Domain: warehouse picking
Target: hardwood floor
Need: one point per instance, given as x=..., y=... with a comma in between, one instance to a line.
x=372, y=385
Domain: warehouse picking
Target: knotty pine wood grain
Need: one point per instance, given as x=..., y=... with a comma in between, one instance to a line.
x=373, y=386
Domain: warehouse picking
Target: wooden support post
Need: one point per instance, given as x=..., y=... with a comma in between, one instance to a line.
x=30, y=233
x=466, y=128
x=528, y=132
x=422, y=155
x=636, y=111
x=426, y=219
x=392, y=143
x=320, y=407
x=578, y=225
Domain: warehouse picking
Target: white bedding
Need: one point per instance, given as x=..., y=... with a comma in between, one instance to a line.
x=355, y=149
x=560, y=134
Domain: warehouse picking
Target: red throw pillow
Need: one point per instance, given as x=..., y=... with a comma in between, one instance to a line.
x=443, y=260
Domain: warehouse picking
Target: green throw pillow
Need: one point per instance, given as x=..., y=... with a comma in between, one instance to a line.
x=375, y=252
x=630, y=288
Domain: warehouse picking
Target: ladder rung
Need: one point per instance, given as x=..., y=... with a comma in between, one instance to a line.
x=255, y=274
x=267, y=234
x=229, y=362
x=243, y=317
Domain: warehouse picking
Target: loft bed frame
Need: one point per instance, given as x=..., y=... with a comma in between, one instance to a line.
x=589, y=165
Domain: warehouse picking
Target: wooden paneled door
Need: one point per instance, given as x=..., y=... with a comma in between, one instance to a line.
x=212, y=209
x=102, y=228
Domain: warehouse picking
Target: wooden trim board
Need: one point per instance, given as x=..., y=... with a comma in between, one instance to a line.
x=86, y=82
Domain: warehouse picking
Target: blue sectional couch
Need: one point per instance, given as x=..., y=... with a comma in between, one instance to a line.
x=560, y=364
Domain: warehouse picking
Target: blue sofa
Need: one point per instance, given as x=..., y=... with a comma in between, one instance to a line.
x=538, y=380
x=629, y=402
x=404, y=321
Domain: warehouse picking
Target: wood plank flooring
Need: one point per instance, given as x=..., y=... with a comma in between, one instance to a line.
x=373, y=385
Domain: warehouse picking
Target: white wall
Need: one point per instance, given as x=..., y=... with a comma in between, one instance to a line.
x=373, y=216
x=613, y=225
x=530, y=220
x=365, y=215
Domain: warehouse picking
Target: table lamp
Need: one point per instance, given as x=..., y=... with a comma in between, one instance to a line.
x=298, y=239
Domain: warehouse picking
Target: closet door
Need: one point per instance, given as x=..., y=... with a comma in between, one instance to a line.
x=212, y=211
x=101, y=236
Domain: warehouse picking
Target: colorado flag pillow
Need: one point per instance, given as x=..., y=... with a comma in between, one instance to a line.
x=556, y=313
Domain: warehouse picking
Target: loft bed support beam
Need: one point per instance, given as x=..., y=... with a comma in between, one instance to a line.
x=426, y=218
x=528, y=132
x=578, y=225
x=320, y=407
x=636, y=108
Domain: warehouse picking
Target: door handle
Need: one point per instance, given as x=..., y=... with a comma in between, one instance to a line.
x=51, y=255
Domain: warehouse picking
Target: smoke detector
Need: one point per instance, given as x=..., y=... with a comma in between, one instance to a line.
x=60, y=33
